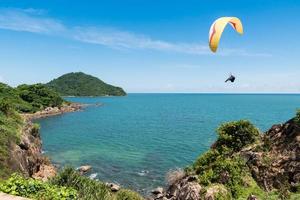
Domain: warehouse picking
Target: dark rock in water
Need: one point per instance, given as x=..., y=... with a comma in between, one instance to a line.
x=84, y=169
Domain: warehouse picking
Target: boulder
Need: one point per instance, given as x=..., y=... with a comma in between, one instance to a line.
x=84, y=169
x=113, y=187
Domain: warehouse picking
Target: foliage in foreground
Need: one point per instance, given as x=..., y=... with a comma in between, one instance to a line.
x=35, y=189
x=67, y=185
x=91, y=189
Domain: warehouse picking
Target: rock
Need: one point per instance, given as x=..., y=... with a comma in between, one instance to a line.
x=45, y=173
x=158, y=190
x=113, y=187
x=252, y=197
x=187, y=188
x=190, y=191
x=84, y=169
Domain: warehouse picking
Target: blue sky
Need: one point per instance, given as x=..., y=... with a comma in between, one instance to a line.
x=152, y=46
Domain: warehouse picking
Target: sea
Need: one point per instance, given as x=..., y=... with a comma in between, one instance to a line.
x=137, y=139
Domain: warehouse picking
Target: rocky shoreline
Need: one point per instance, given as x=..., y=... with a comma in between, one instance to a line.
x=26, y=157
x=52, y=111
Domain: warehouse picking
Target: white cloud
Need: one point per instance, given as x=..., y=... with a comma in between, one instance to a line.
x=25, y=20
x=34, y=20
x=121, y=39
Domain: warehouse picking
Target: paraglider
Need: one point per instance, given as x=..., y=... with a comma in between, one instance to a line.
x=217, y=29
x=231, y=78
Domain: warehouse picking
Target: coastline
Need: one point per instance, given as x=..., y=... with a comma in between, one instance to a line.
x=52, y=111
x=27, y=156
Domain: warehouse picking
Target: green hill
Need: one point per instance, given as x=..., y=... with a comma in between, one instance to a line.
x=80, y=84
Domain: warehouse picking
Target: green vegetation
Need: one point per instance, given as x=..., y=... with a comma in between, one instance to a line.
x=39, y=96
x=233, y=136
x=29, y=98
x=67, y=185
x=35, y=189
x=90, y=189
x=10, y=126
x=80, y=84
x=297, y=118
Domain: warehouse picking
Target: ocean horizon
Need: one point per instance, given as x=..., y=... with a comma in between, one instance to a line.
x=136, y=139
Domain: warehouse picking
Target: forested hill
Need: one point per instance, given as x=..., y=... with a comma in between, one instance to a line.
x=81, y=84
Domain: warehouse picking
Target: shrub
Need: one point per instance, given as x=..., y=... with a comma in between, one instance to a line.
x=236, y=135
x=87, y=189
x=5, y=106
x=205, y=160
x=35, y=189
x=297, y=117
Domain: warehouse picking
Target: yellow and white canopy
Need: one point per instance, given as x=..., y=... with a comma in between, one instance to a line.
x=217, y=29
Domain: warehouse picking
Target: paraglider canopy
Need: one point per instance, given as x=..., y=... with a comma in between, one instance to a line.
x=231, y=78
x=217, y=29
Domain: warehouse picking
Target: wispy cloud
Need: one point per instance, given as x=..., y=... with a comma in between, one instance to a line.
x=35, y=21
x=121, y=39
x=27, y=20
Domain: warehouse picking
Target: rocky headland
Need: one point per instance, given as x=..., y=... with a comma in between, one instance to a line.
x=26, y=157
x=269, y=169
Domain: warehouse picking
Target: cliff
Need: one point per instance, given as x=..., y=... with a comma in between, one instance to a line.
x=26, y=156
x=268, y=167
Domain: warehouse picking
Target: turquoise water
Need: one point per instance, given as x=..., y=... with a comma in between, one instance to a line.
x=135, y=140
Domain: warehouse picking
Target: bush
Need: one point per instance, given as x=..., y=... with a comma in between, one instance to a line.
x=35, y=189
x=297, y=117
x=91, y=189
x=5, y=106
x=233, y=136
x=87, y=189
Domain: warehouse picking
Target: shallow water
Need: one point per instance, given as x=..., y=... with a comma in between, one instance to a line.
x=135, y=140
